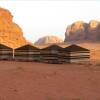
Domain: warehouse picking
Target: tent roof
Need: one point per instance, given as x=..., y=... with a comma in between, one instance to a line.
x=2, y=46
x=53, y=47
x=74, y=47
x=27, y=47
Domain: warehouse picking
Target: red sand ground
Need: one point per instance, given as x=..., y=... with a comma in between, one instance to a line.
x=38, y=81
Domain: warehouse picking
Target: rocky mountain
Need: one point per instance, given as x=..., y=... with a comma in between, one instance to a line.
x=10, y=33
x=83, y=32
x=48, y=40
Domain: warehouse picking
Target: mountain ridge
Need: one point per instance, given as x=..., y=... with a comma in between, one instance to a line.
x=83, y=32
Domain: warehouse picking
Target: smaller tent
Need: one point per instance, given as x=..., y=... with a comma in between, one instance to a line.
x=75, y=53
x=6, y=53
x=51, y=54
x=27, y=53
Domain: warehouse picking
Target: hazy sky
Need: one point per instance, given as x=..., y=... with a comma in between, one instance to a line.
x=41, y=18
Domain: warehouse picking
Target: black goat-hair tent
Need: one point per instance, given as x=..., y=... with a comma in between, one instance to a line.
x=6, y=53
x=27, y=53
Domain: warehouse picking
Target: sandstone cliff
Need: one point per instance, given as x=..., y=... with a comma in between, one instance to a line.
x=10, y=33
x=83, y=32
x=48, y=40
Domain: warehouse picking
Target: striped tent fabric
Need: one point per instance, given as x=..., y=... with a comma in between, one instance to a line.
x=6, y=53
x=76, y=54
x=51, y=54
x=27, y=53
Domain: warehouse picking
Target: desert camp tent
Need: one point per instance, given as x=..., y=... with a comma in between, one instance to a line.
x=51, y=54
x=75, y=53
x=6, y=53
x=27, y=53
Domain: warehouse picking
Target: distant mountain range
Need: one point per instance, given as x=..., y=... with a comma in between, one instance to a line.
x=83, y=32
x=78, y=32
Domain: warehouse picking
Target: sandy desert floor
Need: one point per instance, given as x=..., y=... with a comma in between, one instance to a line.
x=38, y=81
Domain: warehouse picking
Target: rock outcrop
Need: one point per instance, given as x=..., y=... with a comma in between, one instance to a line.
x=83, y=32
x=10, y=33
x=48, y=40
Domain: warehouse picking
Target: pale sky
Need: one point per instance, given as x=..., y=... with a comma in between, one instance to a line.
x=42, y=18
